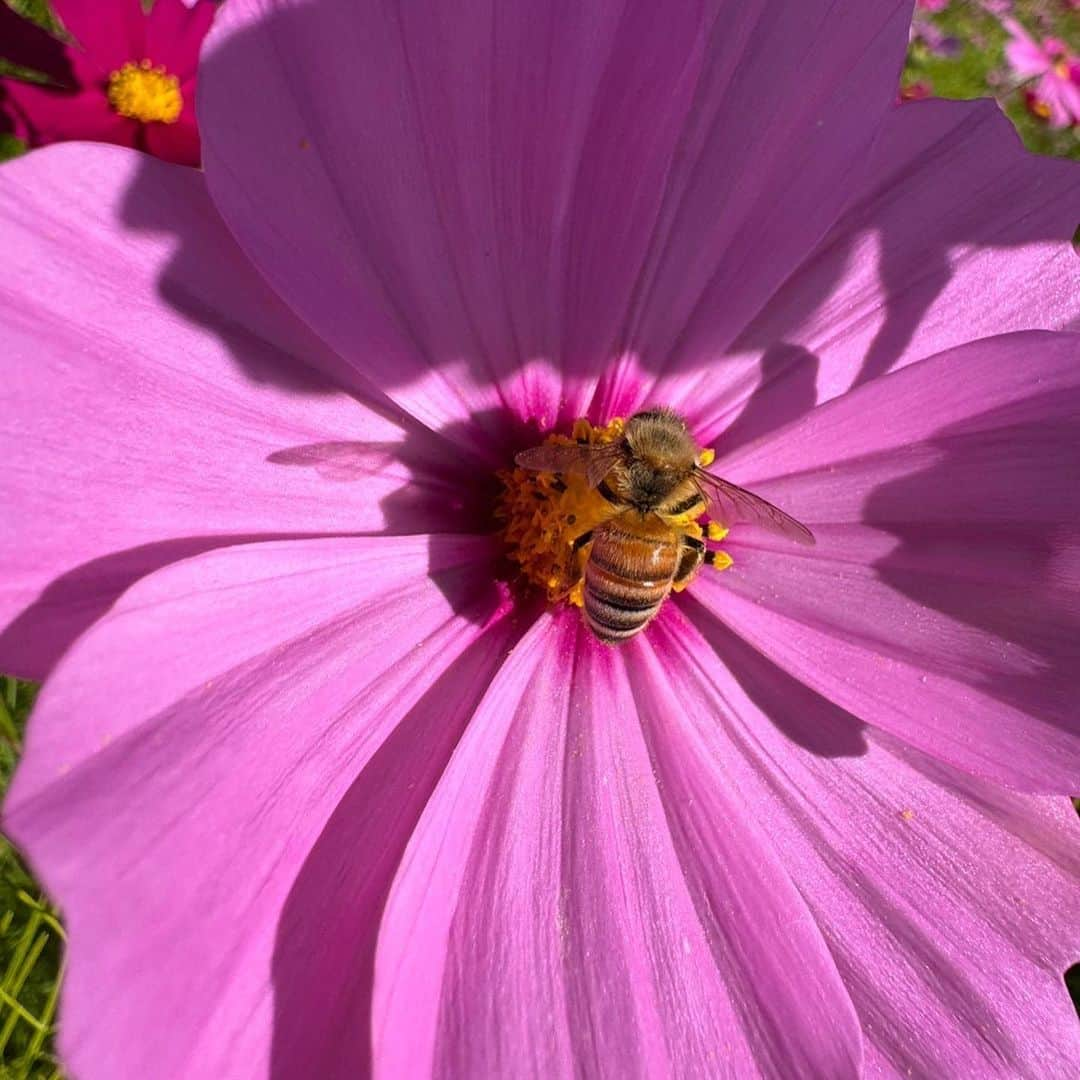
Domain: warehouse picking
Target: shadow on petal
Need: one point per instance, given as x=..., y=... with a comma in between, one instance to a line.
x=200, y=282
x=490, y=303
x=802, y=714
x=33, y=642
x=989, y=535
x=908, y=269
x=323, y=964
x=786, y=391
x=446, y=485
x=443, y=490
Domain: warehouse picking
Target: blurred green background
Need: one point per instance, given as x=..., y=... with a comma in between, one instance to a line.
x=31, y=936
x=967, y=60
x=957, y=52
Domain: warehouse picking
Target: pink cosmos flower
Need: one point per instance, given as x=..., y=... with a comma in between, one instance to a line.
x=318, y=793
x=128, y=79
x=1055, y=95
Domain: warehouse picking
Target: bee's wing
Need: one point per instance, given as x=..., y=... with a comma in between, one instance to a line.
x=734, y=504
x=593, y=462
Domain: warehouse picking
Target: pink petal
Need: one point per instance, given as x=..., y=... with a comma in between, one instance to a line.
x=153, y=404
x=177, y=142
x=580, y=897
x=491, y=203
x=110, y=33
x=194, y=838
x=52, y=114
x=943, y=600
x=958, y=233
x=759, y=181
x=949, y=904
x=1062, y=96
x=1023, y=52
x=174, y=33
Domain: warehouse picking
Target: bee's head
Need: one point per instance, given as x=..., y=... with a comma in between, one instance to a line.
x=660, y=456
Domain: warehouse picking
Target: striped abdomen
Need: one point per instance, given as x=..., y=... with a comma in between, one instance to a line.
x=629, y=572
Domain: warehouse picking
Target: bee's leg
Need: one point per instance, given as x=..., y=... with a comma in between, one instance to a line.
x=690, y=558
x=693, y=504
x=604, y=491
x=577, y=548
x=581, y=541
x=720, y=559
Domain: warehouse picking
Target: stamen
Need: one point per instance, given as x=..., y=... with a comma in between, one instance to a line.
x=1038, y=107
x=543, y=514
x=146, y=93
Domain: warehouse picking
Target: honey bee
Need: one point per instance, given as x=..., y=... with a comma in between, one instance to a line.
x=652, y=477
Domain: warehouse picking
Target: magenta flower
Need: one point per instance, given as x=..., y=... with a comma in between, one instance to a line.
x=1055, y=95
x=128, y=79
x=319, y=793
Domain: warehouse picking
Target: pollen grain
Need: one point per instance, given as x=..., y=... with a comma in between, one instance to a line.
x=543, y=514
x=146, y=93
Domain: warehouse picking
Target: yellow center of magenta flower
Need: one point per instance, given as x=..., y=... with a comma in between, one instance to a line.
x=543, y=514
x=146, y=93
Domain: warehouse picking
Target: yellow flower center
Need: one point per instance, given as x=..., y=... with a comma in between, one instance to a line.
x=542, y=514
x=146, y=93
x=1061, y=69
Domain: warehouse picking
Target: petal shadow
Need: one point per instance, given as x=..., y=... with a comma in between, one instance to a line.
x=806, y=717
x=323, y=963
x=989, y=535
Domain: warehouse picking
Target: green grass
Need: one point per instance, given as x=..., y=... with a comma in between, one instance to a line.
x=31, y=936
x=10, y=147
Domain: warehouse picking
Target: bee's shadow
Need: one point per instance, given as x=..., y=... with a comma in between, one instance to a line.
x=444, y=490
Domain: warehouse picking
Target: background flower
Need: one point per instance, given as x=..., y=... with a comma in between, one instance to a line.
x=1055, y=69
x=983, y=37
x=129, y=77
